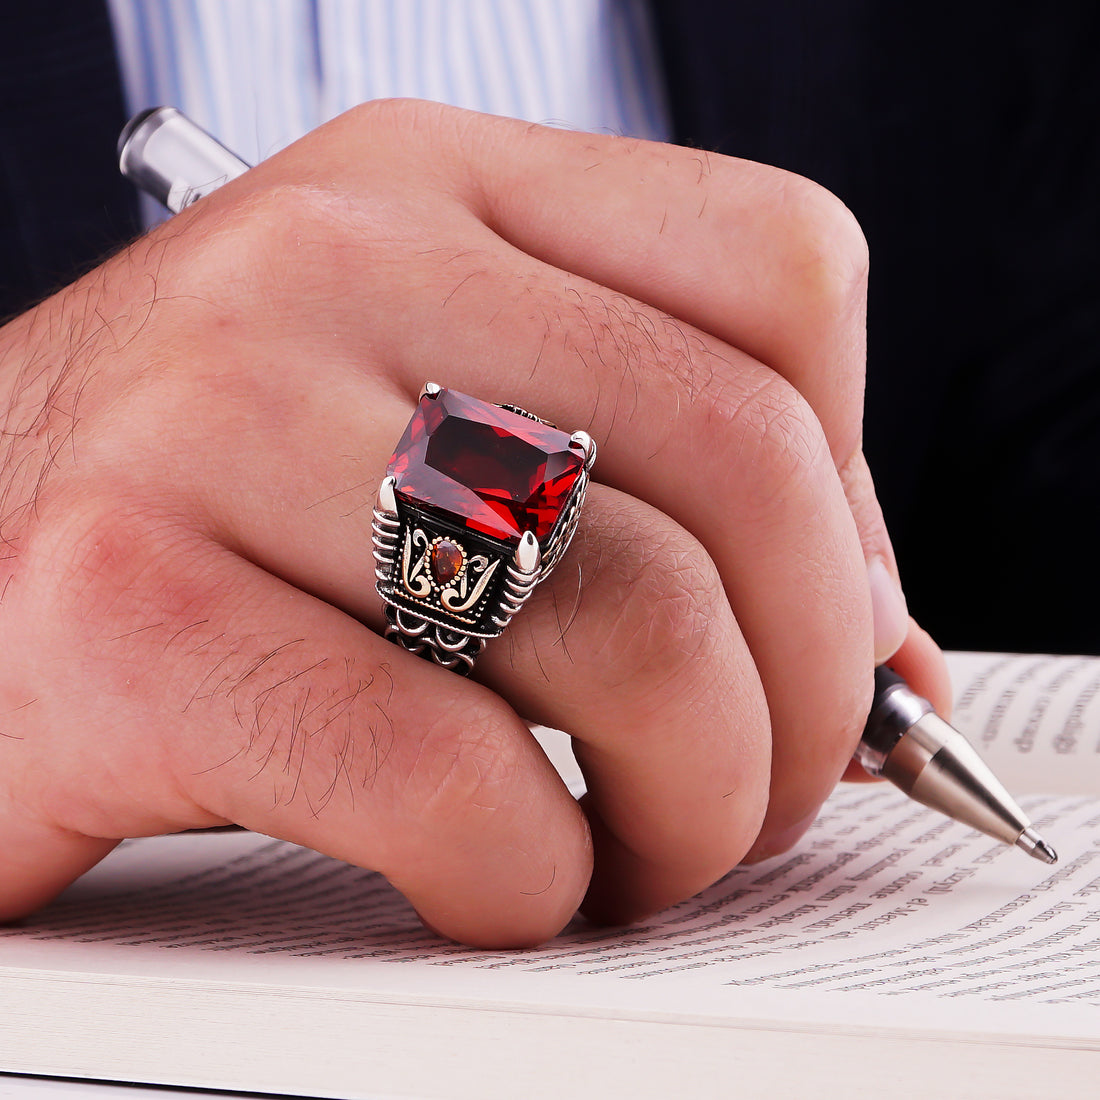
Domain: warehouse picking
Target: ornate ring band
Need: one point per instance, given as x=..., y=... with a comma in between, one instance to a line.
x=478, y=505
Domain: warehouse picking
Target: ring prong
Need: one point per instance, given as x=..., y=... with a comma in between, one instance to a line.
x=387, y=500
x=528, y=555
x=430, y=389
x=586, y=444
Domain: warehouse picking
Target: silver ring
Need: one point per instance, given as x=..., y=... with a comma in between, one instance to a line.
x=478, y=505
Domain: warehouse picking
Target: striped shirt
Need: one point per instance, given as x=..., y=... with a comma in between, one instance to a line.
x=260, y=73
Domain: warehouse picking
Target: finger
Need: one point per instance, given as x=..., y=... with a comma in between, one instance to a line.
x=38, y=861
x=768, y=262
x=632, y=648
x=222, y=693
x=921, y=663
x=762, y=259
x=890, y=615
x=748, y=473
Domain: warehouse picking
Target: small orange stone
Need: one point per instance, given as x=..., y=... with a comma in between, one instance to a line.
x=446, y=561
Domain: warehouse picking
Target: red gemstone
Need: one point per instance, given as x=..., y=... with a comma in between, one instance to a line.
x=500, y=472
x=446, y=561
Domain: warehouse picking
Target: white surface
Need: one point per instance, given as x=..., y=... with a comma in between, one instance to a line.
x=14, y=1087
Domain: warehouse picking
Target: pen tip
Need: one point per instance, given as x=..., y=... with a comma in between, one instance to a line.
x=1045, y=852
x=1035, y=846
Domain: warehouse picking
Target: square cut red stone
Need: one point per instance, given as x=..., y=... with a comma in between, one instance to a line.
x=499, y=472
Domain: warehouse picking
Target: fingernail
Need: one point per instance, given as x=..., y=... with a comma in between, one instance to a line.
x=774, y=844
x=890, y=612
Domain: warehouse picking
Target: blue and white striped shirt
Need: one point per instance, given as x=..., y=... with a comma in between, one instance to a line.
x=260, y=73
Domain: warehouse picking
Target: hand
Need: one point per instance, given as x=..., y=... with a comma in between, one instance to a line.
x=194, y=436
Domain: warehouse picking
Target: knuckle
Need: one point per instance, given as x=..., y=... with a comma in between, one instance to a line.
x=92, y=556
x=821, y=248
x=433, y=141
x=110, y=574
x=826, y=256
x=773, y=443
x=461, y=765
x=259, y=256
x=399, y=117
x=114, y=566
x=268, y=240
x=667, y=596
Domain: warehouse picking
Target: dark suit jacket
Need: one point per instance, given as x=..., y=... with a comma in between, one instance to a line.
x=964, y=137
x=62, y=202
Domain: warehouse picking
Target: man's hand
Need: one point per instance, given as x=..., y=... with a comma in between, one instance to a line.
x=193, y=438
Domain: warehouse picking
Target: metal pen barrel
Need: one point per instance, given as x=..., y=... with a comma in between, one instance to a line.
x=908, y=743
x=168, y=156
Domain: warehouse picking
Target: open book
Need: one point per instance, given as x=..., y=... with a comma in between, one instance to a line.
x=892, y=953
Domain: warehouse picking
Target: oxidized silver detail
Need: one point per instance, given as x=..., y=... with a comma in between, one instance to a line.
x=385, y=529
x=448, y=648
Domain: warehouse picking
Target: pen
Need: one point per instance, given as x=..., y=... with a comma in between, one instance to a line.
x=169, y=157
x=908, y=743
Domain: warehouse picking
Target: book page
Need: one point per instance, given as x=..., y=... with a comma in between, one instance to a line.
x=884, y=910
x=1035, y=719
x=47, y=1088
x=880, y=898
